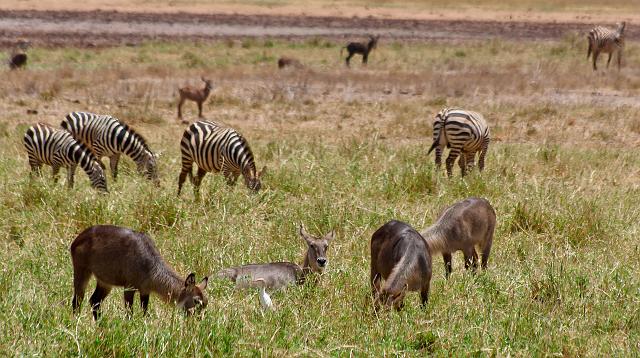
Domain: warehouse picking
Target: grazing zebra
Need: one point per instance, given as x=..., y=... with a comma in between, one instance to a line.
x=602, y=39
x=58, y=148
x=215, y=148
x=107, y=136
x=465, y=132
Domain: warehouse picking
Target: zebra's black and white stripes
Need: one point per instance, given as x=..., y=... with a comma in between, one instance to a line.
x=604, y=40
x=108, y=136
x=465, y=133
x=216, y=148
x=57, y=148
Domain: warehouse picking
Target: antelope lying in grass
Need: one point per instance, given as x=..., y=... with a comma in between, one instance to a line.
x=461, y=227
x=117, y=256
x=400, y=256
x=198, y=95
x=360, y=48
x=289, y=62
x=276, y=275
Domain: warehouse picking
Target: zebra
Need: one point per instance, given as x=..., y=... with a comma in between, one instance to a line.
x=466, y=133
x=108, y=136
x=58, y=148
x=602, y=39
x=217, y=148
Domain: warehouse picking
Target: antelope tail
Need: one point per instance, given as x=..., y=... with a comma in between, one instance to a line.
x=397, y=279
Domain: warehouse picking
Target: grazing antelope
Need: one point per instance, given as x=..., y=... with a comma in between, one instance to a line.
x=276, y=275
x=118, y=256
x=18, y=57
x=198, y=95
x=461, y=227
x=360, y=48
x=289, y=62
x=400, y=256
x=602, y=39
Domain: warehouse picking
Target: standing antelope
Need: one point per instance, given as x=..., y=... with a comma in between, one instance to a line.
x=215, y=148
x=461, y=227
x=466, y=133
x=400, y=256
x=198, y=95
x=602, y=39
x=118, y=256
x=58, y=148
x=360, y=48
x=276, y=275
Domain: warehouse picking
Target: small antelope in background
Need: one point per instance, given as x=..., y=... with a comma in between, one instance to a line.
x=289, y=62
x=400, y=256
x=18, y=57
x=198, y=95
x=461, y=227
x=276, y=275
x=361, y=49
x=602, y=39
x=118, y=256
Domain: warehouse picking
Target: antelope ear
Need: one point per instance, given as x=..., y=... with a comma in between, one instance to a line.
x=330, y=236
x=203, y=284
x=261, y=173
x=191, y=280
x=304, y=234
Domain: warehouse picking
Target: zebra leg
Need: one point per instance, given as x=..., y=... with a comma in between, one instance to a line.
x=198, y=180
x=113, y=163
x=483, y=153
x=438, y=157
x=609, y=59
x=596, y=53
x=54, y=172
x=471, y=158
x=187, y=169
x=71, y=171
x=453, y=155
x=462, y=163
x=35, y=167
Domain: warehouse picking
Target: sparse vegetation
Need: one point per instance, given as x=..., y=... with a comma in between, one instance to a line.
x=345, y=150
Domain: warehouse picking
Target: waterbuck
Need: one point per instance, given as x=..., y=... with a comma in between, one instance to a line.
x=276, y=275
x=198, y=95
x=289, y=62
x=461, y=227
x=360, y=48
x=400, y=256
x=118, y=256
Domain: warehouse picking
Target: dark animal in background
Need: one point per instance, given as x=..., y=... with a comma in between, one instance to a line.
x=18, y=57
x=198, y=95
x=463, y=226
x=280, y=274
x=118, y=256
x=400, y=256
x=289, y=62
x=602, y=39
x=361, y=49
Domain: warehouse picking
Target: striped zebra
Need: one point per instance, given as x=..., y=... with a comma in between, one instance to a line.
x=57, y=148
x=108, y=136
x=466, y=133
x=216, y=148
x=602, y=39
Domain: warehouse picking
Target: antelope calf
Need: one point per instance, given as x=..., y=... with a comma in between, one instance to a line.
x=289, y=62
x=461, y=227
x=276, y=275
x=360, y=48
x=118, y=256
x=400, y=256
x=198, y=95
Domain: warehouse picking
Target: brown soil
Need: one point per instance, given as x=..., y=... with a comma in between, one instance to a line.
x=107, y=28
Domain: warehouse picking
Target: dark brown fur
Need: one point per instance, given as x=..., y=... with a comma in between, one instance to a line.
x=118, y=256
x=361, y=49
x=461, y=227
x=198, y=95
x=289, y=62
x=281, y=274
x=400, y=256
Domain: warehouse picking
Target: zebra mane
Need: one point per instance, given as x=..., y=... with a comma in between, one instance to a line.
x=92, y=155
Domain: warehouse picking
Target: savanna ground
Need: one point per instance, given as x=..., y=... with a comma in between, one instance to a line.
x=345, y=149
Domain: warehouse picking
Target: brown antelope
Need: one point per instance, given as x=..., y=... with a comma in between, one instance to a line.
x=18, y=57
x=276, y=275
x=461, y=227
x=400, y=256
x=118, y=256
x=198, y=95
x=360, y=48
x=289, y=62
